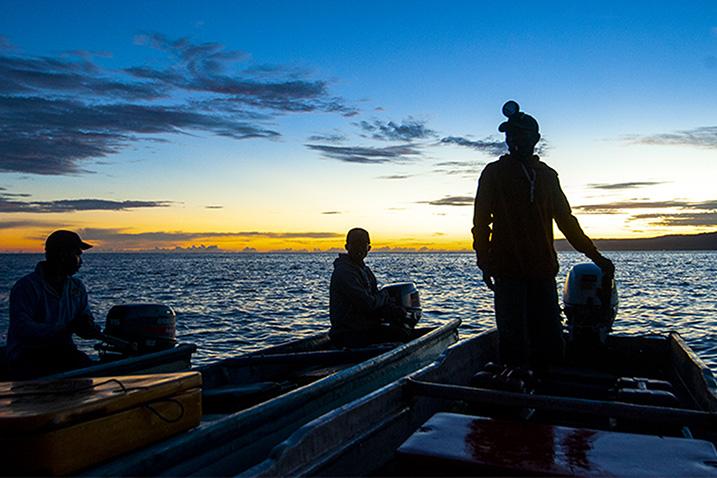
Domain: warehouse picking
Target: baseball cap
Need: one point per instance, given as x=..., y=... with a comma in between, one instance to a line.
x=62, y=239
x=519, y=122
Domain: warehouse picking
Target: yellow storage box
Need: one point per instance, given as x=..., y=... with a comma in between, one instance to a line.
x=60, y=427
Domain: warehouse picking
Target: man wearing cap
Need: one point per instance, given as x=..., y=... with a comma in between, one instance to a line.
x=360, y=313
x=46, y=308
x=518, y=198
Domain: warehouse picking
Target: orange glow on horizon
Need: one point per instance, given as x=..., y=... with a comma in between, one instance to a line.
x=32, y=240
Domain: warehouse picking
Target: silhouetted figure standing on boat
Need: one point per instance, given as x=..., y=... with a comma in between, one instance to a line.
x=518, y=198
x=46, y=308
x=360, y=313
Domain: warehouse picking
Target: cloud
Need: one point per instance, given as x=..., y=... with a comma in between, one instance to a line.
x=630, y=185
x=451, y=201
x=121, y=239
x=214, y=207
x=52, y=136
x=112, y=233
x=469, y=168
x=685, y=219
x=704, y=137
x=490, y=146
x=494, y=148
x=331, y=212
x=408, y=130
x=328, y=138
x=57, y=113
x=28, y=75
x=368, y=154
x=622, y=206
x=21, y=224
x=396, y=176
x=73, y=205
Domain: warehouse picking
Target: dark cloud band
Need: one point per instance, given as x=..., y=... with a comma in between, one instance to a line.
x=73, y=205
x=367, y=154
x=408, y=130
x=451, y=201
x=631, y=185
x=57, y=113
x=705, y=137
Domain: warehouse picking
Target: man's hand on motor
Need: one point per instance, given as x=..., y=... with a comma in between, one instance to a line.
x=397, y=312
x=605, y=265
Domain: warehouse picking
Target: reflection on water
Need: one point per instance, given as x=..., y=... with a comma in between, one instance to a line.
x=231, y=303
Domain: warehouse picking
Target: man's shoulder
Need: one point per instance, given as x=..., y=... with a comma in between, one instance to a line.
x=544, y=166
x=492, y=168
x=502, y=161
x=342, y=266
x=27, y=282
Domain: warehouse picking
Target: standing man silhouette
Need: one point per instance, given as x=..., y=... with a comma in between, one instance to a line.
x=518, y=198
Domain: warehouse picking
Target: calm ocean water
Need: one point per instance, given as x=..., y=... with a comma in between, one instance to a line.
x=233, y=303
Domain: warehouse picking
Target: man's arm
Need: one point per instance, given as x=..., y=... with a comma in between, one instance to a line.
x=351, y=286
x=84, y=323
x=570, y=227
x=482, y=218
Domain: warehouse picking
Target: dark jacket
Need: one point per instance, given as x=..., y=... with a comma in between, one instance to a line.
x=41, y=320
x=520, y=242
x=354, y=298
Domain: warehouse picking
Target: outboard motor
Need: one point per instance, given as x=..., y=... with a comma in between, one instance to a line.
x=590, y=304
x=152, y=327
x=406, y=295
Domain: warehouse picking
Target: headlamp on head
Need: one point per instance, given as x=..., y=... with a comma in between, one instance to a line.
x=518, y=122
x=510, y=108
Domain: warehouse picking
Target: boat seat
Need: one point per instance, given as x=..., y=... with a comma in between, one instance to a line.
x=450, y=444
x=236, y=396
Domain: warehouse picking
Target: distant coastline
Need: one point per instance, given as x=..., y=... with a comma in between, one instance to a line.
x=675, y=242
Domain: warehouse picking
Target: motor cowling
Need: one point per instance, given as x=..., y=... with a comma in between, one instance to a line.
x=152, y=327
x=590, y=304
x=406, y=295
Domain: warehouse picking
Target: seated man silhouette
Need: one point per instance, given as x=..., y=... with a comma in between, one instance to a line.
x=360, y=313
x=46, y=308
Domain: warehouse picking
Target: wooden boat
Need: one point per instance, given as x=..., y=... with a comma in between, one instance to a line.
x=642, y=406
x=174, y=359
x=253, y=402
x=52, y=427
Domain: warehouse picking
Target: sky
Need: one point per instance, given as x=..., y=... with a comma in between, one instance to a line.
x=271, y=125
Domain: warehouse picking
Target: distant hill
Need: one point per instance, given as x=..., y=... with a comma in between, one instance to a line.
x=693, y=242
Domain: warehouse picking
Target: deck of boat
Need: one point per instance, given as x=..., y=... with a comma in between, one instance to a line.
x=591, y=394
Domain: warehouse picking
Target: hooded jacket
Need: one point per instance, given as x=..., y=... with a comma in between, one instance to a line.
x=354, y=298
x=516, y=203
